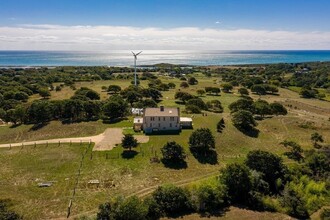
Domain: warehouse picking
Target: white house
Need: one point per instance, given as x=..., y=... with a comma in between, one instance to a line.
x=160, y=120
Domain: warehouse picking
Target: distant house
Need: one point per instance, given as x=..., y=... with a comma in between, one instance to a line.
x=161, y=119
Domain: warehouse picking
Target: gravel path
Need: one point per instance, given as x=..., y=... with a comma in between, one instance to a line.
x=105, y=141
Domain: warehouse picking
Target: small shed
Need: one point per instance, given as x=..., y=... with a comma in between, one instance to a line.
x=138, y=122
x=186, y=122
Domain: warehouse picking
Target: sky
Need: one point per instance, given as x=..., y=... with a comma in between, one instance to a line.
x=164, y=24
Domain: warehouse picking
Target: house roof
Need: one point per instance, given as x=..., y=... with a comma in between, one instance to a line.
x=185, y=119
x=157, y=112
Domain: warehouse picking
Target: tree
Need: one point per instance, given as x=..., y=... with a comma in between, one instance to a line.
x=226, y=87
x=244, y=120
x=171, y=199
x=152, y=93
x=116, y=107
x=318, y=163
x=243, y=91
x=208, y=198
x=192, y=109
x=259, y=89
x=146, y=103
x=242, y=104
x=214, y=106
x=114, y=89
x=132, y=97
x=40, y=112
x=236, y=178
x=295, y=152
x=44, y=93
x=269, y=164
x=212, y=90
x=197, y=102
x=184, y=85
x=89, y=94
x=183, y=96
x=171, y=85
x=315, y=138
x=131, y=208
x=278, y=109
x=192, y=81
x=262, y=108
x=173, y=152
x=200, y=92
x=129, y=142
x=202, y=140
x=220, y=125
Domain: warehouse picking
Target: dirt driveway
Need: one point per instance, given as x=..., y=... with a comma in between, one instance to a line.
x=105, y=141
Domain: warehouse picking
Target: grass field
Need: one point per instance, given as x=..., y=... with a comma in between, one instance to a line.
x=23, y=168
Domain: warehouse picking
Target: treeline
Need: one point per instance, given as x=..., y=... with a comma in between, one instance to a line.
x=263, y=182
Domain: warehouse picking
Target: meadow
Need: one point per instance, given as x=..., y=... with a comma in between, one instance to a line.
x=23, y=167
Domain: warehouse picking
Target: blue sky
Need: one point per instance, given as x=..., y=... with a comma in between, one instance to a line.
x=147, y=22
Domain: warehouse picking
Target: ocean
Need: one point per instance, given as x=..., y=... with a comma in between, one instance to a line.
x=148, y=57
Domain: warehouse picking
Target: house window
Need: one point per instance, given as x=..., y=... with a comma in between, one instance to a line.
x=172, y=119
x=170, y=125
x=158, y=118
x=152, y=119
x=150, y=124
x=163, y=118
x=159, y=125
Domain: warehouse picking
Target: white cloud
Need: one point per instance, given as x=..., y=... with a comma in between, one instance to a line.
x=58, y=37
x=218, y=22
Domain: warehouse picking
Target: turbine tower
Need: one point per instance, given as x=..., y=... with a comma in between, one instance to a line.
x=135, y=58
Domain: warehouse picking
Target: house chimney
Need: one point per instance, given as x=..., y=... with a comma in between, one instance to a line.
x=161, y=108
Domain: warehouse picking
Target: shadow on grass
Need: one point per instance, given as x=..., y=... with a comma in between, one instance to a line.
x=15, y=125
x=129, y=154
x=214, y=213
x=36, y=127
x=210, y=157
x=164, y=133
x=113, y=121
x=252, y=132
x=177, y=165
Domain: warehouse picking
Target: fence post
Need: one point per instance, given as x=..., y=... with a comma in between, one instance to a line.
x=59, y=143
x=69, y=209
x=35, y=144
x=10, y=146
x=47, y=144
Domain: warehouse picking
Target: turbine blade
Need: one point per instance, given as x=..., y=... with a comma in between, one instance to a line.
x=133, y=53
x=138, y=53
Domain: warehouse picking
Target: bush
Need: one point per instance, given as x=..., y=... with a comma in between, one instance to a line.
x=244, y=120
x=202, y=140
x=184, y=85
x=193, y=109
x=197, y=102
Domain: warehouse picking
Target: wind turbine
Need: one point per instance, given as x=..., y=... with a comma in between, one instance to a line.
x=135, y=58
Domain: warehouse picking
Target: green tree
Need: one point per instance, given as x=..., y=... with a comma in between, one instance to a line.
x=131, y=208
x=172, y=200
x=236, y=178
x=262, y=108
x=192, y=109
x=202, y=140
x=197, y=102
x=208, y=198
x=227, y=87
x=114, y=89
x=259, y=89
x=270, y=165
x=295, y=152
x=116, y=107
x=129, y=142
x=173, y=152
x=319, y=163
x=40, y=112
x=243, y=91
x=214, y=106
x=278, y=109
x=200, y=92
x=241, y=104
x=184, y=85
x=87, y=93
x=220, y=125
x=244, y=120
x=152, y=93
x=315, y=138
x=171, y=85
x=183, y=96
x=192, y=81
x=44, y=93
x=132, y=97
